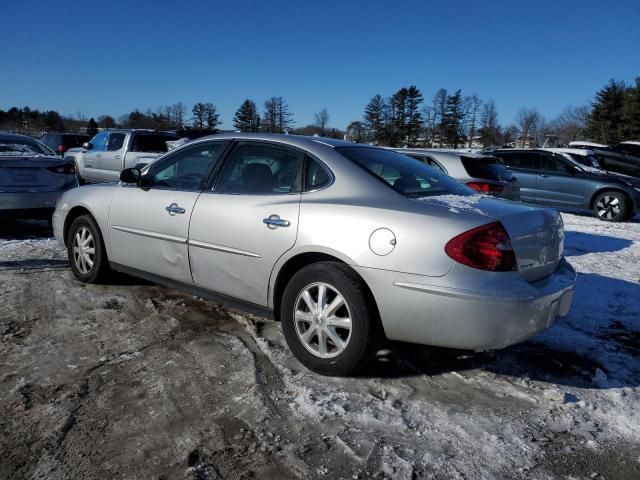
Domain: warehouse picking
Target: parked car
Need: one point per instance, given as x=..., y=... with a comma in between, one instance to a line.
x=15, y=145
x=61, y=142
x=32, y=177
x=111, y=151
x=344, y=243
x=621, y=158
x=484, y=174
x=554, y=178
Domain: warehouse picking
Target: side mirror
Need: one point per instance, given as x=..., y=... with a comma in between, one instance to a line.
x=130, y=175
x=87, y=145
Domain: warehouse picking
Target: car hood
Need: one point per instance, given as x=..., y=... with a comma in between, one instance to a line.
x=628, y=179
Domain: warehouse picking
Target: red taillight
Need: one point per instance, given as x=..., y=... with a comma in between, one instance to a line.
x=61, y=149
x=67, y=169
x=487, y=247
x=484, y=187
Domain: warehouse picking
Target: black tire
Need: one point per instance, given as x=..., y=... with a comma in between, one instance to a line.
x=99, y=270
x=612, y=206
x=366, y=331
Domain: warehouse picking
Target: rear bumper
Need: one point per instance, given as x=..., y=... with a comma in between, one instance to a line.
x=414, y=309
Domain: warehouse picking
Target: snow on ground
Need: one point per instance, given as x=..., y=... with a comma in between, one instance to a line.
x=130, y=379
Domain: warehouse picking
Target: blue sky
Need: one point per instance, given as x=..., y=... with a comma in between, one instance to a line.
x=111, y=57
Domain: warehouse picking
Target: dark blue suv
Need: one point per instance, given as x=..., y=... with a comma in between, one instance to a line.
x=556, y=180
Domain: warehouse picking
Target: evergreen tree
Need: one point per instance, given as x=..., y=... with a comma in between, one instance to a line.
x=205, y=115
x=413, y=116
x=246, y=118
x=605, y=123
x=451, y=123
x=92, y=127
x=631, y=113
x=374, y=119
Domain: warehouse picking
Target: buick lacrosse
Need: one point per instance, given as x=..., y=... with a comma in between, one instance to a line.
x=346, y=244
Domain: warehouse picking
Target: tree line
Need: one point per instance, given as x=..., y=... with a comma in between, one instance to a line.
x=449, y=119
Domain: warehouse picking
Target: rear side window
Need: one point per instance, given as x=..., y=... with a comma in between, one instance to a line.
x=488, y=168
x=523, y=160
x=260, y=169
x=316, y=176
x=150, y=143
x=428, y=161
x=403, y=174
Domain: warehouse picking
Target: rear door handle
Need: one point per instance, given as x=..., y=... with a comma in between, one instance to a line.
x=274, y=221
x=174, y=209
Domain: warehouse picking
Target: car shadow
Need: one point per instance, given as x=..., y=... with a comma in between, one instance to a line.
x=24, y=229
x=580, y=243
x=599, y=339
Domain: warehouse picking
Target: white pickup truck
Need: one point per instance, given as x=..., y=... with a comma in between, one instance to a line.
x=111, y=151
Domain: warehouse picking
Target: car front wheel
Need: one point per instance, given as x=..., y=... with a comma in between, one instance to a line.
x=611, y=206
x=330, y=323
x=86, y=251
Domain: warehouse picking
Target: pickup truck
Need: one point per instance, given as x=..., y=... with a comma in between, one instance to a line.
x=111, y=151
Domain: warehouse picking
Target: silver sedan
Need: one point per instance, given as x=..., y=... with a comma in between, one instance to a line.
x=346, y=244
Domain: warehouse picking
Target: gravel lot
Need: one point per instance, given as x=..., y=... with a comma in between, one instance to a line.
x=132, y=380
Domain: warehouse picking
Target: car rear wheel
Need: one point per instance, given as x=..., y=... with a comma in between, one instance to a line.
x=85, y=248
x=611, y=206
x=328, y=320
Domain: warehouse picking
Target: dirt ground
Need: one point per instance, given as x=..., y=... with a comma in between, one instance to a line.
x=132, y=380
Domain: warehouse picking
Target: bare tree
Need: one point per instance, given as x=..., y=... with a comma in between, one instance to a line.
x=322, y=120
x=490, y=130
x=433, y=115
x=357, y=132
x=276, y=116
x=528, y=121
x=570, y=124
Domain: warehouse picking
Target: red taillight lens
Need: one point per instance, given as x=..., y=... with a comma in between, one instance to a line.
x=487, y=247
x=484, y=187
x=61, y=149
x=67, y=169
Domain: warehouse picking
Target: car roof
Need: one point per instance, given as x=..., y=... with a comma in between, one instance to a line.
x=587, y=144
x=576, y=151
x=630, y=142
x=295, y=140
x=440, y=153
x=15, y=136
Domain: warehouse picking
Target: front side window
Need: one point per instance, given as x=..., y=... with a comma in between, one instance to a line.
x=115, y=142
x=186, y=169
x=405, y=175
x=99, y=142
x=260, y=168
x=551, y=163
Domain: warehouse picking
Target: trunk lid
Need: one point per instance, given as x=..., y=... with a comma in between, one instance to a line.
x=537, y=234
x=19, y=174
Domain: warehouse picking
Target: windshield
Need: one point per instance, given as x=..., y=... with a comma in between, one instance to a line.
x=585, y=160
x=403, y=174
x=23, y=147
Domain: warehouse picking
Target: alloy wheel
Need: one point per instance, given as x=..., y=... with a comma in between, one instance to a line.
x=322, y=320
x=84, y=250
x=608, y=207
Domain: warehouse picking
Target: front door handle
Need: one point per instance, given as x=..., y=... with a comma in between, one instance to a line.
x=174, y=209
x=274, y=221
x=544, y=176
x=98, y=155
x=117, y=157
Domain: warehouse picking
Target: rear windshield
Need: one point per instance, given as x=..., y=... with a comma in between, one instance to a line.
x=488, y=168
x=403, y=174
x=151, y=143
x=73, y=141
x=23, y=146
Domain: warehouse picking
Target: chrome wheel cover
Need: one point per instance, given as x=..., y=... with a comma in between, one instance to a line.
x=322, y=320
x=608, y=207
x=84, y=250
